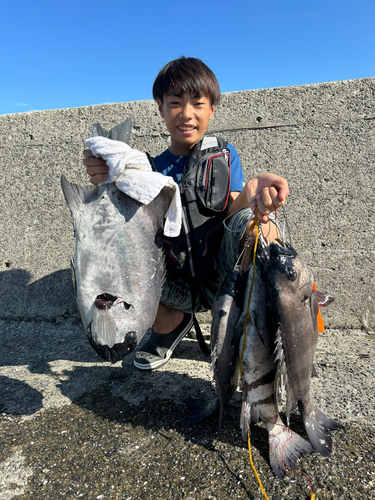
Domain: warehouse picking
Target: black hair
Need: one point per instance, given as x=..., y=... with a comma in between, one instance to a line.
x=186, y=75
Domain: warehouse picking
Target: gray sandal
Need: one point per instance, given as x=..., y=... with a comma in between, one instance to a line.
x=159, y=347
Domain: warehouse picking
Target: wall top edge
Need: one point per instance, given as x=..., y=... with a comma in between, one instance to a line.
x=226, y=94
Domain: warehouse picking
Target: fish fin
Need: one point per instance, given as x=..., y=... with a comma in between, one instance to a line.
x=323, y=299
x=254, y=415
x=249, y=412
x=285, y=448
x=314, y=373
x=255, y=320
x=279, y=349
x=98, y=130
x=315, y=313
x=121, y=132
x=282, y=372
x=245, y=419
x=317, y=426
x=199, y=410
x=214, y=349
x=73, y=270
x=103, y=328
x=159, y=205
x=76, y=196
x=163, y=269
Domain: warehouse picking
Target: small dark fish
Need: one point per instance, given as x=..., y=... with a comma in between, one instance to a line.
x=118, y=265
x=225, y=338
x=295, y=309
x=259, y=370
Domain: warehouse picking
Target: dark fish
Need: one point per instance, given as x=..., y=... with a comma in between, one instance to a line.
x=118, y=266
x=259, y=370
x=295, y=309
x=225, y=338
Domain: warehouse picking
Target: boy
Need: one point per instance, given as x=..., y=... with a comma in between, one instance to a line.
x=186, y=92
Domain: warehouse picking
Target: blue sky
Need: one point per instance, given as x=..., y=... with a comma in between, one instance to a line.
x=77, y=53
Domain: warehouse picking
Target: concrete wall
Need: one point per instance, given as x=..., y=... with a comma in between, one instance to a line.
x=320, y=137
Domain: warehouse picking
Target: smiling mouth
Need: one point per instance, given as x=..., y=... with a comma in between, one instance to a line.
x=186, y=128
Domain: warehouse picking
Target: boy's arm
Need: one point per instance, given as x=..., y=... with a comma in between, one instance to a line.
x=96, y=168
x=267, y=192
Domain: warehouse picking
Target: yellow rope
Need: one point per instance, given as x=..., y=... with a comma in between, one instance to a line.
x=252, y=465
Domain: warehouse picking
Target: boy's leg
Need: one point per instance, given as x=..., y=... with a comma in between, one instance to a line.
x=173, y=321
x=167, y=319
x=170, y=327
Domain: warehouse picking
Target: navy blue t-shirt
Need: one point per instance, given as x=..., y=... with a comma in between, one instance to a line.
x=169, y=164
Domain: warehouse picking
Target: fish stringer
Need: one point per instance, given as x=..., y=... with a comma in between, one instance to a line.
x=253, y=226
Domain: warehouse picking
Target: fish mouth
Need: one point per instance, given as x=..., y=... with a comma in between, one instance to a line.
x=279, y=249
x=115, y=352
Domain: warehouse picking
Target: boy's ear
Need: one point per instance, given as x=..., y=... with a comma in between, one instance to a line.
x=160, y=107
x=212, y=112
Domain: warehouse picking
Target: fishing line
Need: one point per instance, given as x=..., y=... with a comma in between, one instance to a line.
x=234, y=213
x=285, y=222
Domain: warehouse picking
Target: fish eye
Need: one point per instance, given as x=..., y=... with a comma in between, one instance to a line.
x=130, y=337
x=291, y=273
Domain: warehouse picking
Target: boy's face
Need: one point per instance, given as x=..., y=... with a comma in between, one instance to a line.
x=186, y=118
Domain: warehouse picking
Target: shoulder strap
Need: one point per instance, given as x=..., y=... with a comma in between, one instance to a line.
x=202, y=343
x=151, y=161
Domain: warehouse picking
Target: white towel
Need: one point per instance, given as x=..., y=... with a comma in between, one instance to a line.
x=133, y=175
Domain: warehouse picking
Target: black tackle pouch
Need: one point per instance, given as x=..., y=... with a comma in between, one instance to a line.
x=206, y=176
x=213, y=182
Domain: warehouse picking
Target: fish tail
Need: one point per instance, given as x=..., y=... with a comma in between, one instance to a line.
x=199, y=409
x=245, y=419
x=249, y=413
x=317, y=426
x=286, y=447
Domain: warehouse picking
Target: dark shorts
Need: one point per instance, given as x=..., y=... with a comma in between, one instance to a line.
x=176, y=293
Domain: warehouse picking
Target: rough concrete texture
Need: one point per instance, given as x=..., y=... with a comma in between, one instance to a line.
x=320, y=137
x=73, y=426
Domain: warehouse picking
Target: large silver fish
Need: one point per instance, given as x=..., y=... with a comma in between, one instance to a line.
x=258, y=370
x=295, y=308
x=226, y=310
x=118, y=266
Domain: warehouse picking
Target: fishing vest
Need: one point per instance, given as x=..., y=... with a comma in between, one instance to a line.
x=205, y=188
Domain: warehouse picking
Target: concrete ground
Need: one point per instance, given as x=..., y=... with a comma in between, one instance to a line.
x=73, y=426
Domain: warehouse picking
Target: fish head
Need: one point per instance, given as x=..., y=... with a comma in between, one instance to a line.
x=289, y=278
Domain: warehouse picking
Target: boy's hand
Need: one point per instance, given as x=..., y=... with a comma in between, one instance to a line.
x=96, y=168
x=270, y=192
